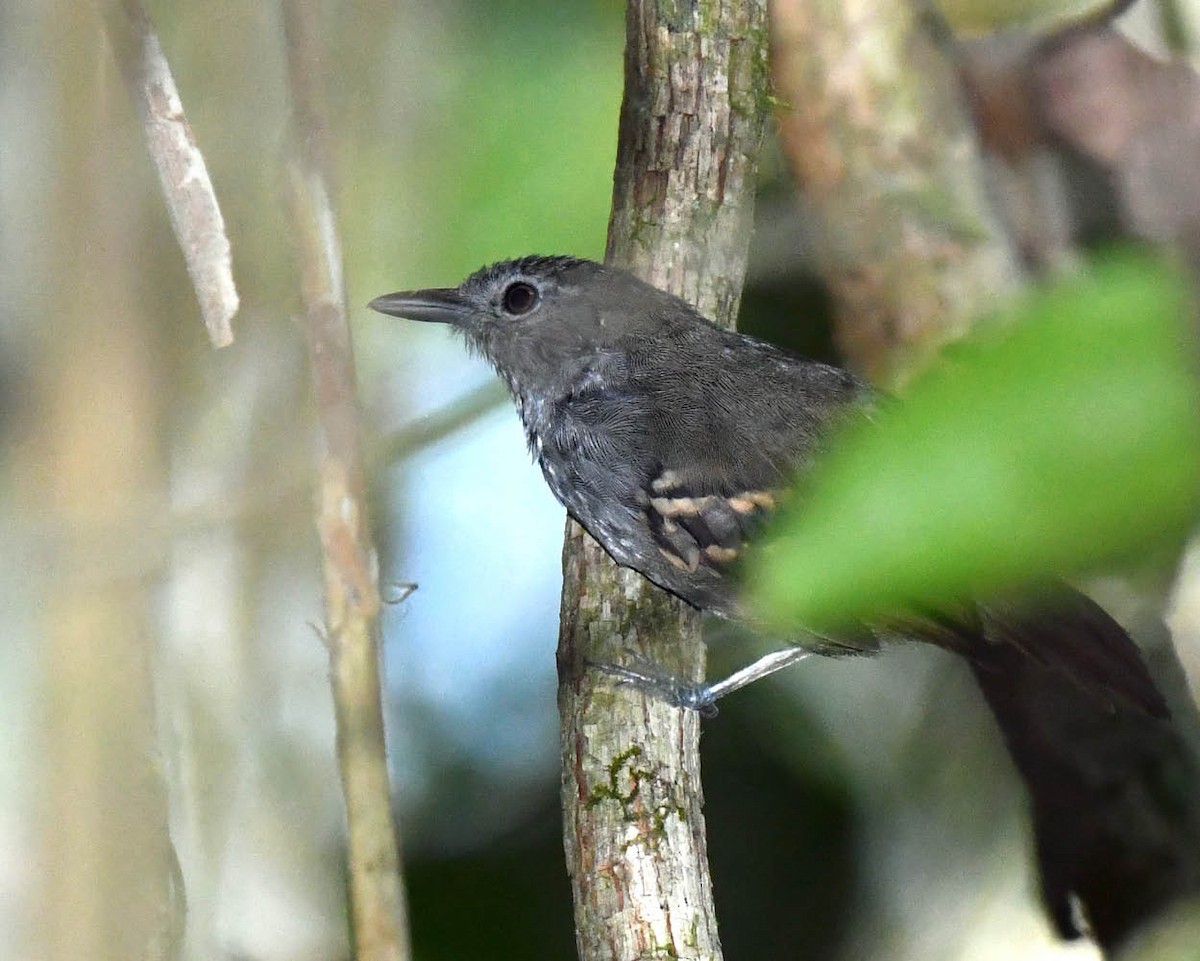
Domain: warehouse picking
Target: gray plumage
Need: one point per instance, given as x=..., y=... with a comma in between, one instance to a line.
x=670, y=439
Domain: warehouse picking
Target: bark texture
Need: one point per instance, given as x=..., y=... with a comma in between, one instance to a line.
x=690, y=133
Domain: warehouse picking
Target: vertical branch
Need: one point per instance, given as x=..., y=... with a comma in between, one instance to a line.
x=687, y=155
x=182, y=173
x=351, y=590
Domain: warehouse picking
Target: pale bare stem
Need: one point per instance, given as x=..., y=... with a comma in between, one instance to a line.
x=187, y=189
x=98, y=878
x=687, y=154
x=378, y=913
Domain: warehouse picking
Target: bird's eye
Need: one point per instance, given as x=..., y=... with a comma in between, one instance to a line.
x=520, y=298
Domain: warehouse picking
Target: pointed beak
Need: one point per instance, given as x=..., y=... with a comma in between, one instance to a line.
x=439, y=305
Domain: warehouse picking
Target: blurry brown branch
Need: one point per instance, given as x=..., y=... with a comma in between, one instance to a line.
x=378, y=910
x=188, y=191
x=876, y=132
x=1087, y=105
x=1136, y=117
x=690, y=133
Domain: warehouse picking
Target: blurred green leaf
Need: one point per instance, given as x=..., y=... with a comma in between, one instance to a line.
x=1064, y=438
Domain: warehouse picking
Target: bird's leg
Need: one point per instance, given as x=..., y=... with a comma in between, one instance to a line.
x=701, y=697
x=765, y=666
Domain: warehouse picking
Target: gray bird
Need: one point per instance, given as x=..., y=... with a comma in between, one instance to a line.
x=670, y=439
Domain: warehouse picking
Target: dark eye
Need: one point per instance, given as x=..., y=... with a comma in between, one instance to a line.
x=520, y=298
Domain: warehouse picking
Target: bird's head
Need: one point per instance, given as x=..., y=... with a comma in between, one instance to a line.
x=539, y=320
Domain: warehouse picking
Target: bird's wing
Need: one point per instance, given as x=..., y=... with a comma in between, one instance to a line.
x=702, y=534
x=730, y=447
x=705, y=526
x=700, y=457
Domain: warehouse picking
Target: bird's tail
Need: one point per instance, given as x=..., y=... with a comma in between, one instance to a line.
x=1057, y=629
x=1071, y=634
x=1108, y=776
x=1117, y=832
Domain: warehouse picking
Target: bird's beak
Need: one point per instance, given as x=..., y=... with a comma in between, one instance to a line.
x=443, y=305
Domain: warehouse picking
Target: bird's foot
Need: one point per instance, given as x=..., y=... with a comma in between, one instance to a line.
x=653, y=679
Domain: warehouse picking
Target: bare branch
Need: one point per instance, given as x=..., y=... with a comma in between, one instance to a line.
x=182, y=173
x=380, y=927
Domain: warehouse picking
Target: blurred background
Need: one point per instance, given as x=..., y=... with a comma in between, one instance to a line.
x=158, y=489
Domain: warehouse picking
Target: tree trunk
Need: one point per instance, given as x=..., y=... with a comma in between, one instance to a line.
x=690, y=132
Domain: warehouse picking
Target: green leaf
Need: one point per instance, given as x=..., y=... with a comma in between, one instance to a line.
x=1062, y=439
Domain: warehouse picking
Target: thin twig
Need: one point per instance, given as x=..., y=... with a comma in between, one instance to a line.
x=182, y=173
x=406, y=440
x=380, y=930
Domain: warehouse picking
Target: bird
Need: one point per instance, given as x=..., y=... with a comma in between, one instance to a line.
x=672, y=441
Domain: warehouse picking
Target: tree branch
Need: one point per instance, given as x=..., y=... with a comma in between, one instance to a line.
x=188, y=191
x=379, y=922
